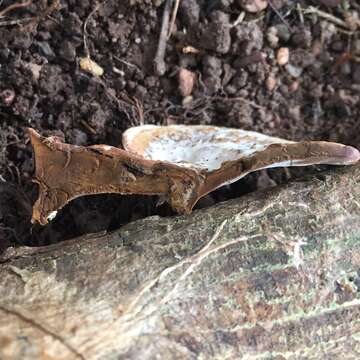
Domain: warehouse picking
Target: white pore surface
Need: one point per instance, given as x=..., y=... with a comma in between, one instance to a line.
x=202, y=147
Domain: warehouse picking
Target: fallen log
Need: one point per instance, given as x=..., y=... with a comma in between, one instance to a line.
x=272, y=275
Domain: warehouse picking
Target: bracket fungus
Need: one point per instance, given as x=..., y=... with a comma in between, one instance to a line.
x=181, y=163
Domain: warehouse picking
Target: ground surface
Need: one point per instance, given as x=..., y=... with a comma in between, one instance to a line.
x=239, y=83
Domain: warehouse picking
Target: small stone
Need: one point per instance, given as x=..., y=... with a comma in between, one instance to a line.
x=91, y=66
x=186, y=82
x=187, y=100
x=45, y=49
x=35, y=70
x=282, y=56
x=253, y=6
x=270, y=83
x=294, y=71
x=294, y=86
x=295, y=112
x=272, y=37
x=231, y=89
x=316, y=48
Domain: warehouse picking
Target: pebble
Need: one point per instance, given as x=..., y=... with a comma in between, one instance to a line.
x=270, y=83
x=294, y=71
x=91, y=66
x=35, y=70
x=186, y=82
x=187, y=100
x=294, y=86
x=272, y=37
x=282, y=56
x=45, y=49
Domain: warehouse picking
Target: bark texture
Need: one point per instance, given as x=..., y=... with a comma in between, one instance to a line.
x=273, y=275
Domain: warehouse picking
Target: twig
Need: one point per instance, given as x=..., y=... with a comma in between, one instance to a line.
x=159, y=62
x=280, y=16
x=96, y=8
x=239, y=19
x=88, y=127
x=299, y=10
x=129, y=64
x=173, y=17
x=241, y=99
x=14, y=7
x=17, y=22
x=325, y=15
x=33, y=19
x=49, y=10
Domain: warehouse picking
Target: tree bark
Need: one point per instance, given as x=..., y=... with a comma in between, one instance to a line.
x=272, y=275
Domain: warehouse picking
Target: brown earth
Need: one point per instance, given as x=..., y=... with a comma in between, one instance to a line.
x=238, y=83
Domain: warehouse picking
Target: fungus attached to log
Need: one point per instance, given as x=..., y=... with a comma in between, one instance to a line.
x=182, y=163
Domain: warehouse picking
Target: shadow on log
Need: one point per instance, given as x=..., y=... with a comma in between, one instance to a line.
x=272, y=275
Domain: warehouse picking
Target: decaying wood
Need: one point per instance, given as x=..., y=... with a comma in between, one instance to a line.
x=198, y=161
x=273, y=275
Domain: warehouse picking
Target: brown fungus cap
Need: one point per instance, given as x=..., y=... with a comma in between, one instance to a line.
x=224, y=155
x=65, y=172
x=182, y=163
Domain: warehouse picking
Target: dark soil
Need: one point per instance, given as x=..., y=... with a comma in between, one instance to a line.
x=239, y=84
